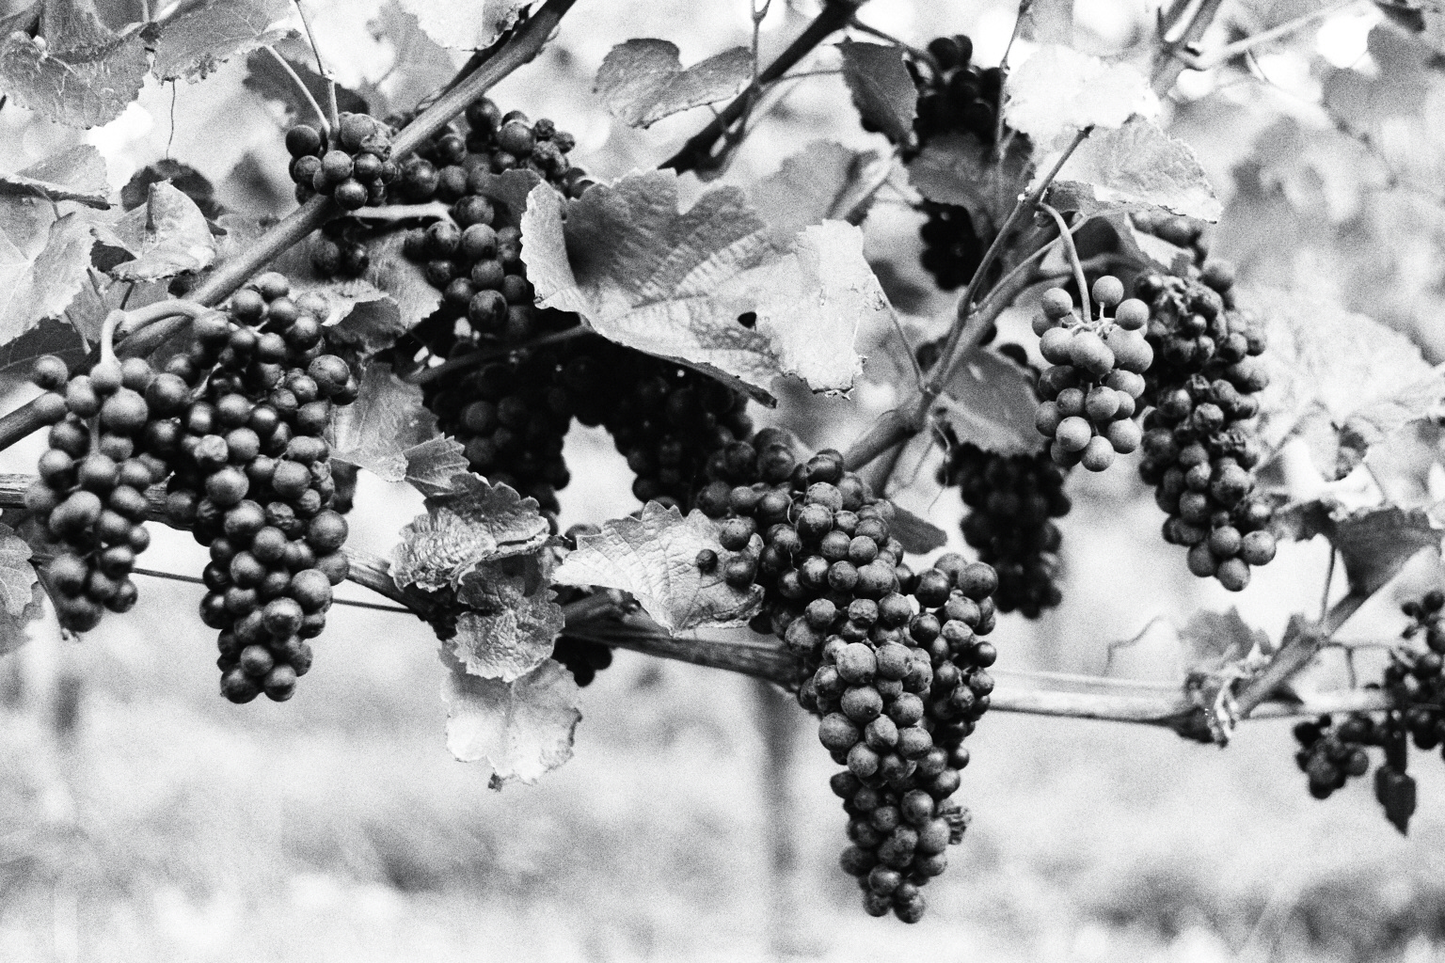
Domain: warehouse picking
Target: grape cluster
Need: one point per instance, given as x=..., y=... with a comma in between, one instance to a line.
x=1334, y=750
x=1091, y=393
x=1012, y=501
x=893, y=663
x=1185, y=232
x=90, y=491
x=667, y=421
x=584, y=658
x=1199, y=446
x=354, y=171
x=336, y=254
x=251, y=478
x=955, y=95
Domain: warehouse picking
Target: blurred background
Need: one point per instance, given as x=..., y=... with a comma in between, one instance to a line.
x=144, y=818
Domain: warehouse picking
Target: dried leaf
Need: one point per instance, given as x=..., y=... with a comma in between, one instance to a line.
x=655, y=559
x=386, y=419
x=643, y=81
x=513, y=622
x=1136, y=166
x=882, y=88
x=193, y=44
x=522, y=729
x=431, y=466
x=1059, y=91
x=471, y=523
x=677, y=284
x=168, y=236
x=183, y=177
x=75, y=173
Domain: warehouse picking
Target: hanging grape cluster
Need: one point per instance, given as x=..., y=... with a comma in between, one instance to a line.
x=354, y=170
x=1011, y=503
x=251, y=478
x=1333, y=750
x=1199, y=445
x=90, y=491
x=894, y=663
x=1091, y=392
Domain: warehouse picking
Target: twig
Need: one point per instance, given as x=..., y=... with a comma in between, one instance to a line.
x=1168, y=65
x=1228, y=52
x=446, y=368
x=917, y=52
x=433, y=211
x=1025, y=204
x=999, y=145
x=697, y=153
x=1067, y=237
x=320, y=67
x=301, y=88
x=1296, y=654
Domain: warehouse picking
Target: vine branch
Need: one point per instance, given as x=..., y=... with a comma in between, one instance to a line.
x=697, y=153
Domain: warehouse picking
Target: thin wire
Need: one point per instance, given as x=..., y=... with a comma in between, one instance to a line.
x=354, y=603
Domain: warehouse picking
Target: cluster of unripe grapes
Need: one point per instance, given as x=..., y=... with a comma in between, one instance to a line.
x=893, y=662
x=1011, y=503
x=354, y=170
x=90, y=490
x=1199, y=448
x=1091, y=392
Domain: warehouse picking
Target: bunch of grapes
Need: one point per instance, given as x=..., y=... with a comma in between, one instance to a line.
x=1012, y=501
x=336, y=253
x=1185, y=232
x=1199, y=445
x=90, y=491
x=893, y=662
x=1091, y=393
x=251, y=478
x=354, y=171
x=1330, y=752
x=667, y=422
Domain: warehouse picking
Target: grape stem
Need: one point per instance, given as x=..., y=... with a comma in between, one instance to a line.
x=1239, y=47
x=1068, y=238
x=296, y=226
x=301, y=88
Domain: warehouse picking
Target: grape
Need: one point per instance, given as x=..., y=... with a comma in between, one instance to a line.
x=892, y=663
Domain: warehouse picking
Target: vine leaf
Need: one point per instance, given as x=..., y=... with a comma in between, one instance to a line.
x=398, y=287
x=513, y=622
x=386, y=420
x=883, y=90
x=419, y=64
x=168, y=236
x=959, y=169
x=1375, y=543
x=48, y=337
x=193, y=44
x=1215, y=640
x=21, y=594
x=369, y=327
x=713, y=288
x=464, y=26
x=431, y=465
x=522, y=729
x=471, y=523
x=642, y=81
x=265, y=77
x=655, y=559
x=1340, y=380
x=990, y=402
x=917, y=535
x=1137, y=165
x=40, y=276
x=824, y=181
x=80, y=74
x=75, y=173
x=1059, y=91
